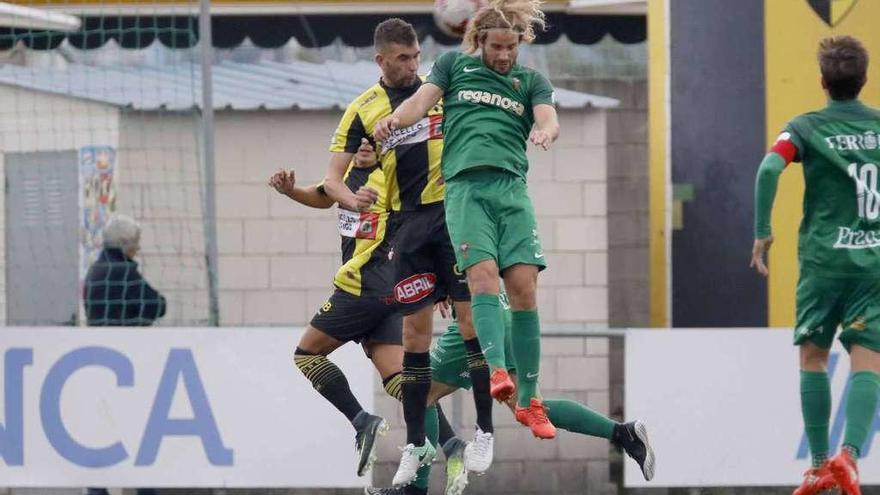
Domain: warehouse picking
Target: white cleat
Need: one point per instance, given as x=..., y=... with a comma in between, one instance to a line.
x=410, y=460
x=478, y=453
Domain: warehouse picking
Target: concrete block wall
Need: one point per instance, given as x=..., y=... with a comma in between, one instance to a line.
x=159, y=183
x=575, y=368
x=626, y=198
x=277, y=258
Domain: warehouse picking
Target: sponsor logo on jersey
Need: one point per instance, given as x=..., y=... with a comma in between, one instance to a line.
x=487, y=98
x=357, y=225
x=415, y=288
x=844, y=142
x=430, y=127
x=848, y=238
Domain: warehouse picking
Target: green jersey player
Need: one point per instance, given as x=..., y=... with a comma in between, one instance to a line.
x=838, y=253
x=492, y=107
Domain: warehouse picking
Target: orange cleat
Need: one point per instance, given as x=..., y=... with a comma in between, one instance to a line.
x=846, y=473
x=500, y=385
x=816, y=480
x=535, y=417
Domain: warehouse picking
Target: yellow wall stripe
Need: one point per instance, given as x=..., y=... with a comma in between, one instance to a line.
x=792, y=34
x=657, y=120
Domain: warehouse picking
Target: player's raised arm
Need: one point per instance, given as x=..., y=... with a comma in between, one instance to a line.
x=284, y=181
x=766, y=182
x=409, y=112
x=315, y=195
x=546, y=128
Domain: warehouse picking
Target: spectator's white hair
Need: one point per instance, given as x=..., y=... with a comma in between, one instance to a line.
x=122, y=232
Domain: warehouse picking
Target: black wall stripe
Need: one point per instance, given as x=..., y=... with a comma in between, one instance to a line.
x=717, y=140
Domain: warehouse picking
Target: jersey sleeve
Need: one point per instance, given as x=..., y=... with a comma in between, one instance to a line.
x=789, y=144
x=441, y=72
x=542, y=91
x=350, y=131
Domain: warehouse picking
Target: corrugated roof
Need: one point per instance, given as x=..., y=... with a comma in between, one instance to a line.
x=239, y=86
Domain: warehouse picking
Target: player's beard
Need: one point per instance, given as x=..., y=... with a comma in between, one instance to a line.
x=499, y=68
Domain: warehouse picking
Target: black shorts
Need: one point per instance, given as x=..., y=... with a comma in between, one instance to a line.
x=423, y=260
x=363, y=319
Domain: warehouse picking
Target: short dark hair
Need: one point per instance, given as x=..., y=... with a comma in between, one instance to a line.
x=394, y=30
x=843, y=61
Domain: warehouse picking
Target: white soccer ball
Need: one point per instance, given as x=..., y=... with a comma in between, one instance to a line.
x=452, y=16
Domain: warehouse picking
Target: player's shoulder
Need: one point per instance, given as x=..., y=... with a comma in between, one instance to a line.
x=804, y=123
x=364, y=99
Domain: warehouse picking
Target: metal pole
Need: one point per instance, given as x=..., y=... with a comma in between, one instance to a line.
x=207, y=129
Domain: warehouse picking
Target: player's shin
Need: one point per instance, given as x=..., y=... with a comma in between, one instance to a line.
x=329, y=381
x=526, y=340
x=490, y=328
x=861, y=410
x=578, y=418
x=415, y=384
x=478, y=369
x=816, y=411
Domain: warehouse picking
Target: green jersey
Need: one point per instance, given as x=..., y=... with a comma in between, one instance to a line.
x=487, y=115
x=840, y=149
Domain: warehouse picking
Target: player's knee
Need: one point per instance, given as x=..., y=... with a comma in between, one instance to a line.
x=483, y=278
x=316, y=368
x=392, y=387
x=813, y=357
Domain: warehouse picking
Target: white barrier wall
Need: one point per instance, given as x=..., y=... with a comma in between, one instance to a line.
x=170, y=407
x=723, y=407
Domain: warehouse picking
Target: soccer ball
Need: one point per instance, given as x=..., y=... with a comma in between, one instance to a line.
x=452, y=16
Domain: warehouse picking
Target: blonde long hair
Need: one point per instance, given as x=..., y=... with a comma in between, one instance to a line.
x=520, y=16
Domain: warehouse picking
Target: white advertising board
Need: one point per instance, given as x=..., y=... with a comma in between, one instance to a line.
x=164, y=407
x=723, y=407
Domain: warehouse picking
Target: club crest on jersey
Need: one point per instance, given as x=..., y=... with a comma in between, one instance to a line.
x=843, y=142
x=832, y=12
x=516, y=83
x=415, y=288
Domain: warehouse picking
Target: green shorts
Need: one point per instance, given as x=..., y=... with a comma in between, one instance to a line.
x=490, y=217
x=825, y=303
x=449, y=359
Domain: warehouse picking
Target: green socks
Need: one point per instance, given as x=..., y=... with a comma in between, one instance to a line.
x=489, y=324
x=816, y=409
x=578, y=418
x=861, y=408
x=526, y=339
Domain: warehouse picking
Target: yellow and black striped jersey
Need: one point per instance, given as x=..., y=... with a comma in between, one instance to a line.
x=410, y=158
x=365, y=268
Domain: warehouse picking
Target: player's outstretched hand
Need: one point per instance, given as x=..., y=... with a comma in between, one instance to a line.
x=760, y=247
x=283, y=181
x=385, y=127
x=365, y=197
x=541, y=138
x=366, y=155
